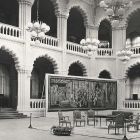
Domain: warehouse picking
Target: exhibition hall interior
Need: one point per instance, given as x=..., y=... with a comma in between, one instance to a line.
x=70, y=67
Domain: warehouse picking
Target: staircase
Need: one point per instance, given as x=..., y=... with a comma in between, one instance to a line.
x=10, y=113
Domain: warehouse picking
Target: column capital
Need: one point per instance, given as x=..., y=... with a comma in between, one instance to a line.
x=28, y=2
x=23, y=71
x=62, y=15
x=93, y=27
x=119, y=28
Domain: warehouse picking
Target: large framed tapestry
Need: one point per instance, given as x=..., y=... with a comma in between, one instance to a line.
x=68, y=93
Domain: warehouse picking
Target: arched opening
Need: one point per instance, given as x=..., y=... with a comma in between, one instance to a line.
x=133, y=29
x=9, y=12
x=76, y=70
x=46, y=13
x=104, y=74
x=8, y=81
x=75, y=26
x=42, y=66
x=105, y=34
x=133, y=82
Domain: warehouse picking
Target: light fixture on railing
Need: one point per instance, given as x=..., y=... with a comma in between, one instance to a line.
x=124, y=55
x=90, y=45
x=115, y=9
x=38, y=28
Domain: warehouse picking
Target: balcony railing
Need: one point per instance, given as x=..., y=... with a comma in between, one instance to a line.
x=136, y=50
x=75, y=47
x=48, y=40
x=105, y=52
x=131, y=104
x=37, y=103
x=10, y=30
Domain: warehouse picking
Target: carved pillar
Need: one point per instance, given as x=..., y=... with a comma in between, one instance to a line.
x=118, y=43
x=118, y=38
x=62, y=37
x=121, y=93
x=92, y=32
x=23, y=91
x=24, y=14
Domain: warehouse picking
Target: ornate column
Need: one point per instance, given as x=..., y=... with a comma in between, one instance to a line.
x=121, y=93
x=118, y=38
x=92, y=32
x=24, y=15
x=24, y=91
x=118, y=43
x=62, y=37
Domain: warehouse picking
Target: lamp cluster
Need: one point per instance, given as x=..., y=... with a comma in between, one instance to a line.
x=38, y=30
x=90, y=45
x=115, y=9
x=124, y=54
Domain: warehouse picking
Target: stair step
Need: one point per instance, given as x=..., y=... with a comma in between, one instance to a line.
x=10, y=113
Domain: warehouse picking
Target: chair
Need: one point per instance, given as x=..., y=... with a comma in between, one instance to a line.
x=77, y=117
x=117, y=124
x=91, y=117
x=133, y=123
x=63, y=119
x=126, y=114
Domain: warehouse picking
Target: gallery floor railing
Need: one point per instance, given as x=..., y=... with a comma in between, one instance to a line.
x=131, y=104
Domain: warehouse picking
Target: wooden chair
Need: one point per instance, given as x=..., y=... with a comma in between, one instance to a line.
x=91, y=117
x=117, y=124
x=134, y=123
x=63, y=119
x=77, y=117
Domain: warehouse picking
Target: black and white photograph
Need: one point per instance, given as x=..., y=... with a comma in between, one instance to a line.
x=69, y=69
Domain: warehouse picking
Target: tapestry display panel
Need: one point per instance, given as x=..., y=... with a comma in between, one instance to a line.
x=72, y=93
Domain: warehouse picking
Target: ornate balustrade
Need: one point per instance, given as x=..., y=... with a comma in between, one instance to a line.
x=131, y=104
x=37, y=103
x=136, y=50
x=105, y=52
x=10, y=30
x=75, y=47
x=49, y=40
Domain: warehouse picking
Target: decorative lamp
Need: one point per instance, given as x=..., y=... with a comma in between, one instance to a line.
x=90, y=45
x=37, y=29
x=115, y=9
x=124, y=54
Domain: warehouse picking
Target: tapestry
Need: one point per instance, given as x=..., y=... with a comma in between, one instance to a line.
x=81, y=93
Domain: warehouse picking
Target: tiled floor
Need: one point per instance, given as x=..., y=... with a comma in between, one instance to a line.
x=12, y=129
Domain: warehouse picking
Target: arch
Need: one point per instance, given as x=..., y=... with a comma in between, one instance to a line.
x=8, y=77
x=133, y=82
x=55, y=66
x=130, y=14
x=105, y=32
x=105, y=74
x=133, y=70
x=75, y=26
x=46, y=14
x=83, y=69
x=9, y=12
x=102, y=19
x=56, y=6
x=133, y=22
x=13, y=55
x=81, y=10
x=42, y=65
